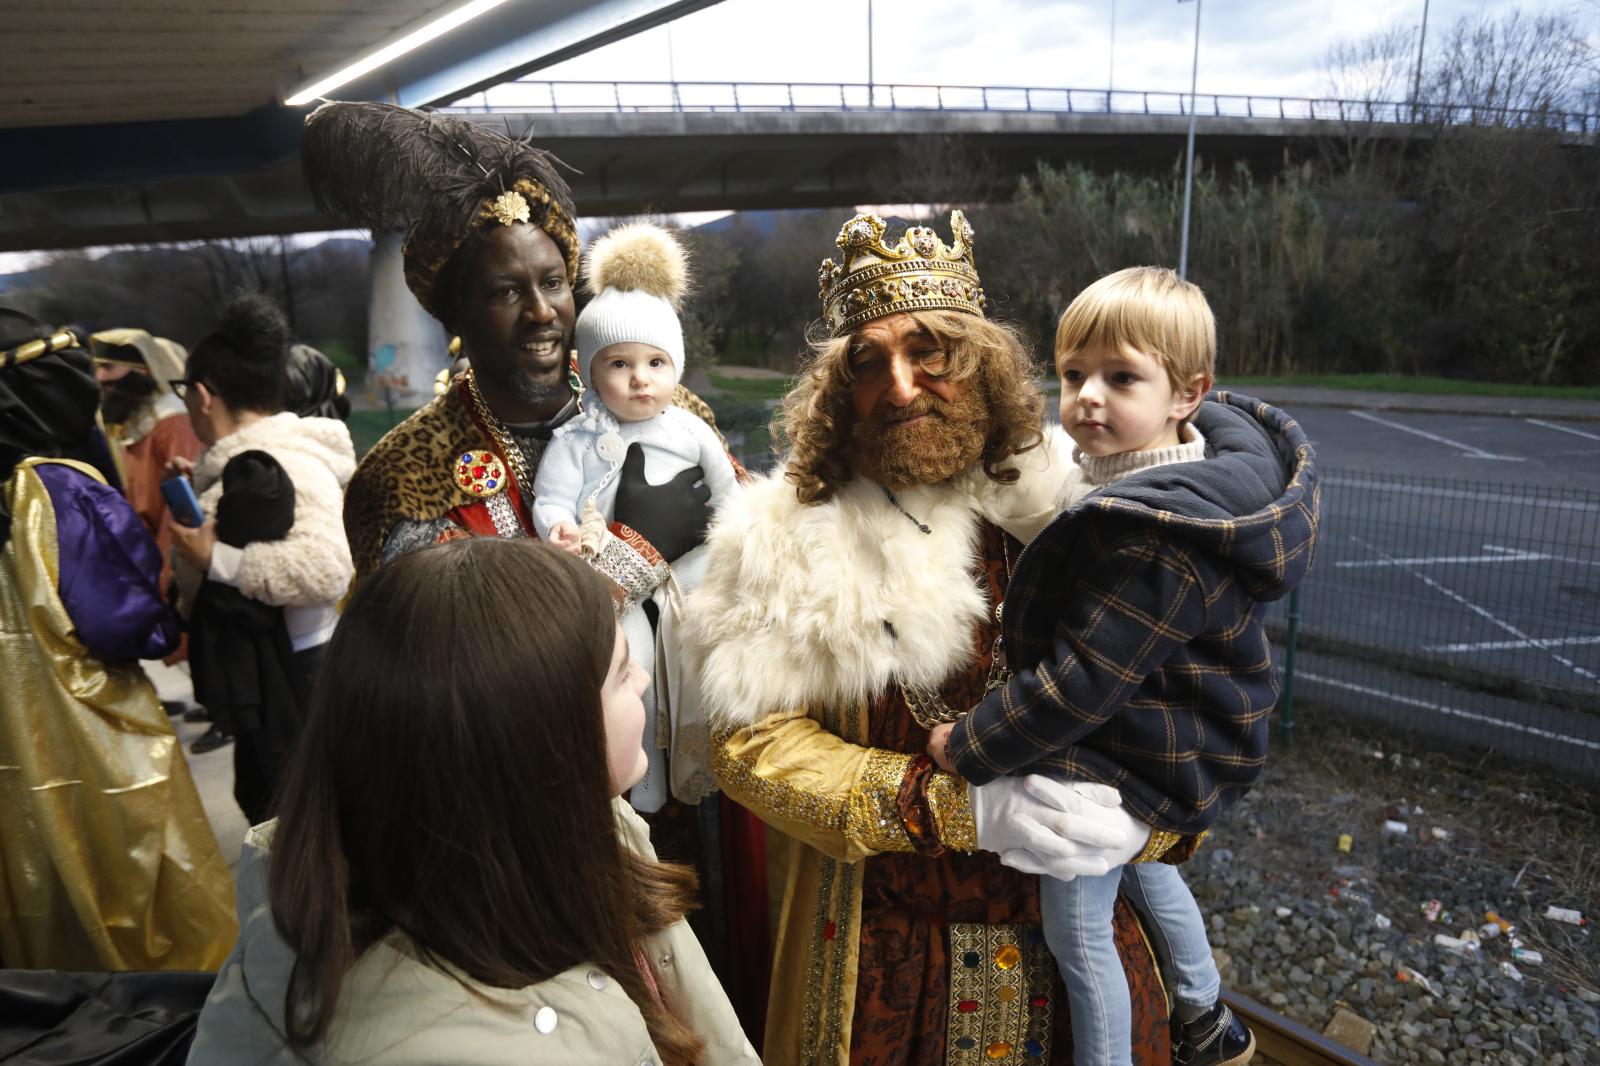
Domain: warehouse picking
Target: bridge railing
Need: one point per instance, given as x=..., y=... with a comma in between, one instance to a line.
x=635, y=97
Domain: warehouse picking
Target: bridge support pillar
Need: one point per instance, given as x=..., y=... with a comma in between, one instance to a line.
x=406, y=346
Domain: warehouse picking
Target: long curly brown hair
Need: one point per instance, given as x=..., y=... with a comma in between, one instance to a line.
x=816, y=419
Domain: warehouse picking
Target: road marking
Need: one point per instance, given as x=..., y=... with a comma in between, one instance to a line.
x=1564, y=429
x=1474, y=495
x=1510, y=645
x=1502, y=555
x=1479, y=611
x=1472, y=451
x=1454, y=712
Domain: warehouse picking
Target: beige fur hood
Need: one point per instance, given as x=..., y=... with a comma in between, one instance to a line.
x=808, y=605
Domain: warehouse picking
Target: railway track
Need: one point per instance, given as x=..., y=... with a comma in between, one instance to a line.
x=1285, y=1042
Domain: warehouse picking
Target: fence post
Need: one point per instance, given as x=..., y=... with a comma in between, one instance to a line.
x=1286, y=702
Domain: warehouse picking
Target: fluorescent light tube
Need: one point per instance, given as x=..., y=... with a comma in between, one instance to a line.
x=390, y=52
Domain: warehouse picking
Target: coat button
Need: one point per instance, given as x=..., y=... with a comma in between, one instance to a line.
x=598, y=980
x=545, y=1021
x=666, y=960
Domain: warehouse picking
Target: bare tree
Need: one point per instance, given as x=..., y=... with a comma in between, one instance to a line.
x=1537, y=64
x=1375, y=69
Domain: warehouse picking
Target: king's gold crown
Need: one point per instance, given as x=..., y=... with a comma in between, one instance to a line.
x=919, y=272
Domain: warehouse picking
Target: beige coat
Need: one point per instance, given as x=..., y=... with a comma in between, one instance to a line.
x=396, y=1010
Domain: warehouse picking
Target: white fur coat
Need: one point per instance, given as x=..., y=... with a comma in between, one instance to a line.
x=809, y=605
x=311, y=565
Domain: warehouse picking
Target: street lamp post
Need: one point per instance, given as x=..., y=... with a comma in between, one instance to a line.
x=1111, y=57
x=871, y=93
x=1416, y=84
x=1188, y=170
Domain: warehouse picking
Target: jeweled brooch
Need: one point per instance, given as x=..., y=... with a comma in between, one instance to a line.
x=480, y=473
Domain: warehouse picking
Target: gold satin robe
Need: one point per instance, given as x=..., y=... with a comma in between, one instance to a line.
x=107, y=861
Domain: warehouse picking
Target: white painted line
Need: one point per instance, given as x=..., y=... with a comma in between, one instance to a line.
x=1564, y=429
x=1479, y=611
x=1501, y=555
x=1434, y=560
x=1552, y=558
x=1454, y=712
x=1511, y=645
x=1471, y=451
x=1439, y=492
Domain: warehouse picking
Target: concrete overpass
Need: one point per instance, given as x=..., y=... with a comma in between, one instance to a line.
x=665, y=147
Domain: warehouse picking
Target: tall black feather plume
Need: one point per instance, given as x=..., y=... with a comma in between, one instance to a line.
x=392, y=168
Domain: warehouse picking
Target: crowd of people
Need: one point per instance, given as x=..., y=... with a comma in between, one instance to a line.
x=971, y=689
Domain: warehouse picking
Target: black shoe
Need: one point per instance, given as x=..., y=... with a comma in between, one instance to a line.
x=1216, y=1038
x=173, y=707
x=197, y=714
x=210, y=740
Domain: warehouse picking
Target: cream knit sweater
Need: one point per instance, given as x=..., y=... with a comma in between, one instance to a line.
x=1097, y=471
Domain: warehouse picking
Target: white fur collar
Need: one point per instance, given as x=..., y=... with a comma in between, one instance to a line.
x=804, y=606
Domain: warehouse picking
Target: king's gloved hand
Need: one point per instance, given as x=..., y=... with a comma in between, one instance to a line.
x=1058, y=828
x=673, y=516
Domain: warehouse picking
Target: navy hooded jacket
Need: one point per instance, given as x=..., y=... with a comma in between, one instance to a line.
x=1134, y=625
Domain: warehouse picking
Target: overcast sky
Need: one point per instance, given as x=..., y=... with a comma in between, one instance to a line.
x=1274, y=47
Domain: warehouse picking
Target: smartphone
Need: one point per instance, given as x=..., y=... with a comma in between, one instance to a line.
x=181, y=501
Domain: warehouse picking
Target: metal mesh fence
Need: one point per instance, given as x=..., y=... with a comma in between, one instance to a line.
x=1462, y=613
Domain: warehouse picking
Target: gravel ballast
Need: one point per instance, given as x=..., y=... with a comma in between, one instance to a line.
x=1305, y=927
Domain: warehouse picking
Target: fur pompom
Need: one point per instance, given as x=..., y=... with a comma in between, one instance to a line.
x=643, y=257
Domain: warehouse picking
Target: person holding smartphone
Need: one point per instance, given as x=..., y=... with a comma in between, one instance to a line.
x=260, y=578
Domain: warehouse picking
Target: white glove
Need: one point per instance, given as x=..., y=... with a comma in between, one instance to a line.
x=1057, y=828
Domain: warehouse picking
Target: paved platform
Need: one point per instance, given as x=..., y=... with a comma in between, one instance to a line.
x=212, y=772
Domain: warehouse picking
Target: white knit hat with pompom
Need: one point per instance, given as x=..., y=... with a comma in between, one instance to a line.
x=638, y=274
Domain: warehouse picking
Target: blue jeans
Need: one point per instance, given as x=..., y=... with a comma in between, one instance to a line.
x=1077, y=926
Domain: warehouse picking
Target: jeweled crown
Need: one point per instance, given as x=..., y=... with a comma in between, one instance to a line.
x=919, y=272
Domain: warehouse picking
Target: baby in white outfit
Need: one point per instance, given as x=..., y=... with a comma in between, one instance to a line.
x=630, y=356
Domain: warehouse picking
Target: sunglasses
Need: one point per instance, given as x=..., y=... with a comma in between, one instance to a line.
x=182, y=386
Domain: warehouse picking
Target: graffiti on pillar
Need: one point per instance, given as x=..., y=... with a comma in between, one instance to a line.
x=386, y=380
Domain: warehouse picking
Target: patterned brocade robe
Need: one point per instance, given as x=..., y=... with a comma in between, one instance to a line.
x=898, y=943
x=441, y=471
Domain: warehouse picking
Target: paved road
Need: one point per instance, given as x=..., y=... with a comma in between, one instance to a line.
x=1457, y=587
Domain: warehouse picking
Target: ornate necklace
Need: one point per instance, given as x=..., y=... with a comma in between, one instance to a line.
x=502, y=440
x=927, y=706
x=909, y=517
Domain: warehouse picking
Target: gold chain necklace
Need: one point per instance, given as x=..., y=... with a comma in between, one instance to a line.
x=928, y=708
x=507, y=447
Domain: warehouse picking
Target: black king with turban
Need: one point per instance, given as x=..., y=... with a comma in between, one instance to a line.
x=441, y=180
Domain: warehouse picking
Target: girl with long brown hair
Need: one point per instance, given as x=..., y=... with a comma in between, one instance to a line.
x=451, y=877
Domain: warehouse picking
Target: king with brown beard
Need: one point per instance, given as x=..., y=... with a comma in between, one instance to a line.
x=851, y=605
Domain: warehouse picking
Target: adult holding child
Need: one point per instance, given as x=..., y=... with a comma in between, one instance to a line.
x=491, y=250
x=453, y=876
x=261, y=577
x=852, y=604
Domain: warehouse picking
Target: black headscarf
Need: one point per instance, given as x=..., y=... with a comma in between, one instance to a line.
x=313, y=385
x=47, y=403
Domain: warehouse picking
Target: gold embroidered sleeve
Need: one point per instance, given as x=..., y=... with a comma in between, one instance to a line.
x=951, y=802
x=1169, y=847
x=838, y=797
